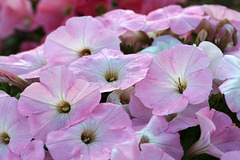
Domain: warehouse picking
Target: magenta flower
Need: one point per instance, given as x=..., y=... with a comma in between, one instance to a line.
x=80, y=36
x=179, y=20
x=133, y=150
x=127, y=21
x=94, y=137
x=16, y=14
x=58, y=100
x=155, y=133
x=173, y=78
x=111, y=69
x=14, y=130
x=51, y=14
x=218, y=135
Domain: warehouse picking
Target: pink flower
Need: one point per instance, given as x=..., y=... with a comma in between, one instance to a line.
x=155, y=133
x=94, y=137
x=34, y=150
x=127, y=21
x=231, y=155
x=51, y=14
x=16, y=14
x=179, y=20
x=27, y=65
x=93, y=7
x=218, y=135
x=121, y=97
x=141, y=114
x=80, y=36
x=229, y=70
x=184, y=119
x=14, y=130
x=58, y=100
x=173, y=78
x=145, y=6
x=133, y=150
x=111, y=69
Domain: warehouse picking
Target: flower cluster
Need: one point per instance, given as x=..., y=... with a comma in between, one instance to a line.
x=123, y=85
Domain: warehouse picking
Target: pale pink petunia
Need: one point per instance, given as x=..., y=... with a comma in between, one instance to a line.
x=111, y=69
x=141, y=114
x=155, y=133
x=173, y=78
x=121, y=97
x=231, y=155
x=80, y=36
x=131, y=150
x=218, y=12
x=27, y=65
x=218, y=135
x=16, y=14
x=179, y=20
x=127, y=21
x=184, y=119
x=58, y=100
x=214, y=54
x=14, y=130
x=34, y=150
x=235, y=51
x=93, y=138
x=229, y=70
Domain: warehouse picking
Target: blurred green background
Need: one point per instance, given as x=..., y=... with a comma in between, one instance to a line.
x=234, y=4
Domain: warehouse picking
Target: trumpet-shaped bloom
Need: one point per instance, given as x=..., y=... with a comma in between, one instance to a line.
x=218, y=135
x=80, y=36
x=155, y=133
x=58, y=100
x=131, y=150
x=121, y=97
x=215, y=55
x=173, y=78
x=27, y=65
x=179, y=20
x=14, y=130
x=229, y=70
x=127, y=21
x=94, y=137
x=111, y=69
